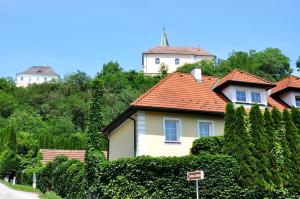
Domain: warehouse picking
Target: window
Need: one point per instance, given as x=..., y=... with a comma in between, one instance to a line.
x=22, y=78
x=241, y=96
x=176, y=61
x=205, y=128
x=297, y=101
x=157, y=61
x=171, y=129
x=45, y=79
x=255, y=97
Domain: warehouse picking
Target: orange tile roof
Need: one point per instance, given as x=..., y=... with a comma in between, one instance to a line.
x=51, y=154
x=178, y=50
x=181, y=91
x=288, y=82
x=239, y=76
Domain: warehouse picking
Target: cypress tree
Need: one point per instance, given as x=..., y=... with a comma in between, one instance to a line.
x=12, y=140
x=283, y=154
x=259, y=149
x=243, y=142
x=229, y=134
x=273, y=149
x=94, y=154
x=295, y=113
x=293, y=140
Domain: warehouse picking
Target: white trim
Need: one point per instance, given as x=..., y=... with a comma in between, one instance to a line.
x=179, y=129
x=140, y=131
x=212, y=133
x=249, y=97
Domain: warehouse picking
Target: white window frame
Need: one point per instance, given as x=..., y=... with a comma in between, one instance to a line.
x=179, y=129
x=297, y=96
x=259, y=96
x=212, y=133
x=236, y=97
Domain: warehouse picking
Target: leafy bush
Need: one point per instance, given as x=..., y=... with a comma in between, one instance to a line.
x=165, y=177
x=209, y=145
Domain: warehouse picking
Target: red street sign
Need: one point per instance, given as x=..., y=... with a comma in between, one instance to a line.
x=195, y=175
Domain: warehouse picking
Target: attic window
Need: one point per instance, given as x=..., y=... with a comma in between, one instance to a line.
x=241, y=96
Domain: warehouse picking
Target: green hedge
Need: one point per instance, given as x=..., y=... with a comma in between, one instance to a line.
x=165, y=177
x=208, y=145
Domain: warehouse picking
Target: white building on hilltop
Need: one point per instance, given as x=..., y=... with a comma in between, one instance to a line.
x=35, y=75
x=170, y=56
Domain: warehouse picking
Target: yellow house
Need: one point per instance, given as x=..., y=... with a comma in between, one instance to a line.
x=181, y=108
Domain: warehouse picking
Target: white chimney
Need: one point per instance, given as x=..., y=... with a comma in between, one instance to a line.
x=196, y=72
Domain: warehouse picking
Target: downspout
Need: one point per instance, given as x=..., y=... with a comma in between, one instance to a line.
x=134, y=136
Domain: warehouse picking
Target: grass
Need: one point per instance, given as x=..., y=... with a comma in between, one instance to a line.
x=26, y=188
x=50, y=195
x=21, y=187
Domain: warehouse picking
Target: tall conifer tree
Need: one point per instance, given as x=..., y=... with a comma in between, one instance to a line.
x=94, y=154
x=229, y=130
x=295, y=113
x=259, y=149
x=243, y=143
x=293, y=140
x=273, y=149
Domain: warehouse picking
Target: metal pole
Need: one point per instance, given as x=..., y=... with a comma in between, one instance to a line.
x=197, y=190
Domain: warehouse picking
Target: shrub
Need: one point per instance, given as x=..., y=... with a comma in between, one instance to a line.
x=209, y=145
x=165, y=177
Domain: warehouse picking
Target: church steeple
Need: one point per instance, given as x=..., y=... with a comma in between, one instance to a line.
x=164, y=39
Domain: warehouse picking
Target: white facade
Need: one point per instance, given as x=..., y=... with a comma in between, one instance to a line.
x=150, y=66
x=23, y=80
x=290, y=98
x=230, y=93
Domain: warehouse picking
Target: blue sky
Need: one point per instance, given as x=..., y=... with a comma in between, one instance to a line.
x=72, y=34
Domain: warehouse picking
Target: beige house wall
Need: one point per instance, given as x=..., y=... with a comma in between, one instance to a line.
x=154, y=144
x=121, y=141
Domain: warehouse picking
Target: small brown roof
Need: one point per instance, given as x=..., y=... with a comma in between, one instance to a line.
x=39, y=70
x=290, y=82
x=51, y=154
x=178, y=50
x=242, y=77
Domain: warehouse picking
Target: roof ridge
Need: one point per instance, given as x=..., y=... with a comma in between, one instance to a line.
x=236, y=69
x=155, y=86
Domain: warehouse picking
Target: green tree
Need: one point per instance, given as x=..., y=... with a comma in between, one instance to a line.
x=94, y=154
x=244, y=143
x=273, y=150
x=229, y=130
x=259, y=149
x=298, y=64
x=293, y=140
x=295, y=113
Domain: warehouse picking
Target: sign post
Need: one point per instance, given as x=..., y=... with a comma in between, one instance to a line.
x=195, y=176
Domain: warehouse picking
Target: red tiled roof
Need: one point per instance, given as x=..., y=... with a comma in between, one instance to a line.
x=238, y=76
x=288, y=82
x=178, y=50
x=51, y=154
x=181, y=91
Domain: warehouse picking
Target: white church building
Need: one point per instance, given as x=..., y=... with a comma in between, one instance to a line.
x=36, y=75
x=171, y=57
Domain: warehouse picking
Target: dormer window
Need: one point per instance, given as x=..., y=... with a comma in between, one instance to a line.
x=157, y=61
x=177, y=61
x=241, y=96
x=297, y=98
x=255, y=97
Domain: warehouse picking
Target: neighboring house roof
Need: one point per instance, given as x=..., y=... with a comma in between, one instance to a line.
x=290, y=82
x=39, y=70
x=241, y=77
x=51, y=154
x=178, y=50
x=180, y=92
